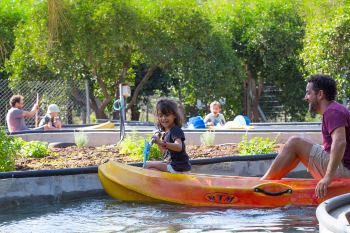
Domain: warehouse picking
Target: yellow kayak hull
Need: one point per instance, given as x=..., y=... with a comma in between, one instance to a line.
x=118, y=191
x=106, y=125
x=130, y=183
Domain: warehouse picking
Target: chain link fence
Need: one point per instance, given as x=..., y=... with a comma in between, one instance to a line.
x=70, y=98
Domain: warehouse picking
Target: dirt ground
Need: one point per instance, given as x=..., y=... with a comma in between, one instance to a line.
x=73, y=157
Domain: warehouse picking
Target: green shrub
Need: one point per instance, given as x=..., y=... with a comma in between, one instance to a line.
x=36, y=149
x=133, y=146
x=18, y=143
x=81, y=139
x=208, y=138
x=9, y=148
x=256, y=145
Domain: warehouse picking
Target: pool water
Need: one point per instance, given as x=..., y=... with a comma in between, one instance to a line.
x=107, y=215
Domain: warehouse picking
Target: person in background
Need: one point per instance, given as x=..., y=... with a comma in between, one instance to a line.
x=172, y=144
x=214, y=117
x=15, y=116
x=51, y=120
x=323, y=162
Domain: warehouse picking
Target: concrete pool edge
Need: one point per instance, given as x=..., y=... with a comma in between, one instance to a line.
x=98, y=138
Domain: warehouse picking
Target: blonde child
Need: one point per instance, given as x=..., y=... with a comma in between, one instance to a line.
x=169, y=121
x=214, y=117
x=51, y=120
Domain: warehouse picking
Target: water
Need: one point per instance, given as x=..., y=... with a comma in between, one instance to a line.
x=106, y=215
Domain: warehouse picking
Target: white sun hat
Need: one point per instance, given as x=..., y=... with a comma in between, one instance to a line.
x=53, y=108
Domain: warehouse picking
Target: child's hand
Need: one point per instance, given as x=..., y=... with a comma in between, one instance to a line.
x=58, y=123
x=156, y=139
x=210, y=124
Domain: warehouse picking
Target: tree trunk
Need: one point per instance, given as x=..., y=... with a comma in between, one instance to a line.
x=83, y=116
x=140, y=85
x=135, y=114
x=254, y=101
x=99, y=110
x=182, y=109
x=93, y=104
x=252, y=96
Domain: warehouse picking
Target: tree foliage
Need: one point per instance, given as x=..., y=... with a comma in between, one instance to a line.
x=194, y=50
x=267, y=36
x=327, y=50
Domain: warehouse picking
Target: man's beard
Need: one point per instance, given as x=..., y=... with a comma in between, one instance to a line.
x=313, y=106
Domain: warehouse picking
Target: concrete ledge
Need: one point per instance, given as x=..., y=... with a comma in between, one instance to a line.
x=98, y=138
x=16, y=191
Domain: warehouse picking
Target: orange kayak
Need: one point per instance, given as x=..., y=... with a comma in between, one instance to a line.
x=131, y=183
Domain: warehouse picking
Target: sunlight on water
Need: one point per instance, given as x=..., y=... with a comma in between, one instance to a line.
x=107, y=215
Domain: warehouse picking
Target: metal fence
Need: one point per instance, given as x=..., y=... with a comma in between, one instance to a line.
x=68, y=96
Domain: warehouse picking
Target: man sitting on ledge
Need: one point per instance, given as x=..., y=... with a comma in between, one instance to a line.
x=327, y=162
x=15, y=116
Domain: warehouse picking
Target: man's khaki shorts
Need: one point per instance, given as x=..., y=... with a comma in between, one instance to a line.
x=318, y=162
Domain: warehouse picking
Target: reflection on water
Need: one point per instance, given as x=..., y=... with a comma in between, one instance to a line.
x=107, y=215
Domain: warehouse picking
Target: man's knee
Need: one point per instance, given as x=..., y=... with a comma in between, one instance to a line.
x=298, y=145
x=295, y=141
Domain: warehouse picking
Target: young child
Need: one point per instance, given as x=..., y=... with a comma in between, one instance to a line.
x=172, y=144
x=51, y=121
x=214, y=117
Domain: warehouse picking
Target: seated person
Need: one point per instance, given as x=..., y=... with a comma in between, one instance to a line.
x=51, y=121
x=214, y=117
x=15, y=116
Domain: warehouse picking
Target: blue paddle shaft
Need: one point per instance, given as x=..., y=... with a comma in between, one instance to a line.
x=146, y=150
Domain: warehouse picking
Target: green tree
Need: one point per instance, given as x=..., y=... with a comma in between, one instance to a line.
x=327, y=48
x=102, y=41
x=182, y=41
x=268, y=36
x=93, y=43
x=11, y=14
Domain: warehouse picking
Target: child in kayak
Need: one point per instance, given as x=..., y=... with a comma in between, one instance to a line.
x=169, y=121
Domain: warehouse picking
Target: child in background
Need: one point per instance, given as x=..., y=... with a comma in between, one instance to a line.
x=51, y=121
x=214, y=117
x=172, y=144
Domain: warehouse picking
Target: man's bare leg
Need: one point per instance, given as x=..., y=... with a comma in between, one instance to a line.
x=296, y=150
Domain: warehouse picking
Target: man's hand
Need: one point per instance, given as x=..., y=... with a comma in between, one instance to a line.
x=321, y=187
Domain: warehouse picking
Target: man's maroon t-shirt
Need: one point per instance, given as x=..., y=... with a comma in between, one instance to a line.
x=335, y=116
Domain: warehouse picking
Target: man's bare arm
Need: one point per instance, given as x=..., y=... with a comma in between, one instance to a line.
x=336, y=156
x=32, y=112
x=337, y=151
